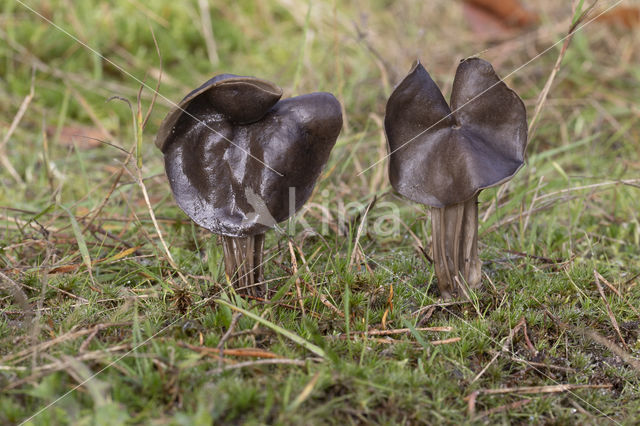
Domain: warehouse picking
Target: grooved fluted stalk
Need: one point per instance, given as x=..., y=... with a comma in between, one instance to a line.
x=455, y=247
x=243, y=263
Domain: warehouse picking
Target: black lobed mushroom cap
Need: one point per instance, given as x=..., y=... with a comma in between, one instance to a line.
x=441, y=156
x=239, y=159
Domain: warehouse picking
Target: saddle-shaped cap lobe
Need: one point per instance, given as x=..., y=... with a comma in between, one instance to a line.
x=441, y=156
x=217, y=152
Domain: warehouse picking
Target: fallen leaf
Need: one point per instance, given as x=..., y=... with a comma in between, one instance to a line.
x=76, y=135
x=483, y=23
x=622, y=16
x=63, y=269
x=493, y=18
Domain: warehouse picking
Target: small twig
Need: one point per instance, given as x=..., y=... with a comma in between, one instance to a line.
x=426, y=316
x=500, y=409
x=543, y=365
x=438, y=305
x=532, y=256
x=220, y=354
x=85, y=344
x=580, y=409
x=530, y=346
x=445, y=341
x=471, y=402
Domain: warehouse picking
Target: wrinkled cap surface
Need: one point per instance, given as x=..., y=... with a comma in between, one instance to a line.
x=441, y=155
x=220, y=139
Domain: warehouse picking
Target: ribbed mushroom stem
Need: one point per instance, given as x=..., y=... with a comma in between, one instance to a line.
x=455, y=247
x=243, y=263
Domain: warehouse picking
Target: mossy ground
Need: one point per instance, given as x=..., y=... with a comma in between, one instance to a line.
x=571, y=211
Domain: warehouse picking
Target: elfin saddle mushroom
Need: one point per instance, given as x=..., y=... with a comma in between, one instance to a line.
x=444, y=156
x=240, y=160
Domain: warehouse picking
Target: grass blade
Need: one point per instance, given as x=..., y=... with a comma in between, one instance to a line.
x=286, y=333
x=82, y=245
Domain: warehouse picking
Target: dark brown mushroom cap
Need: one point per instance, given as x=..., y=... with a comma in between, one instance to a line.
x=217, y=152
x=441, y=157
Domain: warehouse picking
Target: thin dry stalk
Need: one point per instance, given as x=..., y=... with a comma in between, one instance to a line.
x=234, y=320
x=113, y=187
x=613, y=348
x=157, y=89
x=207, y=32
x=596, y=337
x=628, y=182
x=44, y=370
x=306, y=391
x=20, y=298
x=357, y=249
x=390, y=341
x=149, y=13
x=275, y=361
x=505, y=348
x=615, y=290
x=565, y=45
x=612, y=317
x=533, y=202
x=4, y=158
x=294, y=265
x=543, y=389
x=324, y=300
x=157, y=227
x=311, y=286
x=71, y=335
x=35, y=330
x=400, y=331
x=89, y=110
